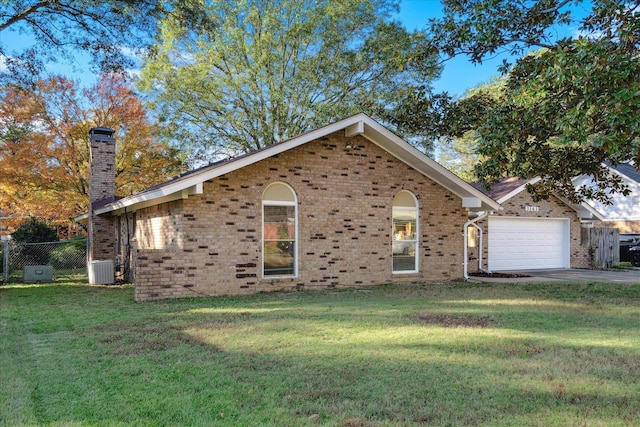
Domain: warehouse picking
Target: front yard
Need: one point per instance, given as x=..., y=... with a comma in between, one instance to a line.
x=432, y=354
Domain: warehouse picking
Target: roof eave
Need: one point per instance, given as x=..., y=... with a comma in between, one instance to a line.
x=360, y=124
x=471, y=198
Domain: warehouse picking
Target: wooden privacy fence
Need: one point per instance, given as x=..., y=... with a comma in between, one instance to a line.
x=604, y=246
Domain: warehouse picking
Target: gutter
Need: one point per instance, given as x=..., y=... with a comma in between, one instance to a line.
x=472, y=222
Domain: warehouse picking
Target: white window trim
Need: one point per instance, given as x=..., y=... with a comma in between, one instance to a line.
x=295, y=254
x=416, y=242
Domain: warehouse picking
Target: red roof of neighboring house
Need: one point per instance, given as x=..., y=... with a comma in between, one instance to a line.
x=501, y=188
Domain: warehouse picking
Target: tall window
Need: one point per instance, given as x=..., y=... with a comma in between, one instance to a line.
x=405, y=233
x=279, y=231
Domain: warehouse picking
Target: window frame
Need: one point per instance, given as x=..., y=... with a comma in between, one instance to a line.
x=415, y=209
x=286, y=203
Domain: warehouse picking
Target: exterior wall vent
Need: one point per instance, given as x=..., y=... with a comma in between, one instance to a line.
x=101, y=272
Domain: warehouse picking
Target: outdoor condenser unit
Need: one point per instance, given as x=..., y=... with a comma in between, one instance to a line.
x=101, y=272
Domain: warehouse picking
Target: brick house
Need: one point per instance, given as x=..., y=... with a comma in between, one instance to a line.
x=527, y=235
x=348, y=204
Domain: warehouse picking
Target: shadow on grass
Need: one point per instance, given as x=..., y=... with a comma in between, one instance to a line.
x=427, y=354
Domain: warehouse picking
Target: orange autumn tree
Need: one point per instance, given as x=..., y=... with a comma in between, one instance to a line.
x=44, y=146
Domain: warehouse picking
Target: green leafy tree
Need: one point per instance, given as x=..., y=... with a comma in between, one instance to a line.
x=567, y=109
x=60, y=28
x=35, y=230
x=458, y=147
x=262, y=71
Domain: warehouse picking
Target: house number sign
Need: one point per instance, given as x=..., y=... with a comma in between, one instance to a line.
x=532, y=208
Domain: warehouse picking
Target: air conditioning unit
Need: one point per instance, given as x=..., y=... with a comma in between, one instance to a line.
x=101, y=272
x=37, y=274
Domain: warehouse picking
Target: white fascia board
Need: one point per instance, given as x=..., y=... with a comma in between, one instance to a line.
x=587, y=212
x=81, y=217
x=174, y=191
x=471, y=202
x=360, y=124
x=584, y=210
x=413, y=157
x=142, y=200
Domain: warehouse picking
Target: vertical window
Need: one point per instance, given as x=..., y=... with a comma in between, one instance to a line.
x=405, y=233
x=279, y=231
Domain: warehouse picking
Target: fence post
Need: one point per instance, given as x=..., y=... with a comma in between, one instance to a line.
x=5, y=260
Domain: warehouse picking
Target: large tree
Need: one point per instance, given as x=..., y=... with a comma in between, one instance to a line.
x=107, y=30
x=566, y=110
x=250, y=73
x=44, y=145
x=457, y=144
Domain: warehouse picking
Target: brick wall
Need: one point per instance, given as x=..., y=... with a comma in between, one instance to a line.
x=161, y=226
x=211, y=244
x=552, y=208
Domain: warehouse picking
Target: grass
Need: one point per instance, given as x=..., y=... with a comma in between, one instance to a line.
x=433, y=354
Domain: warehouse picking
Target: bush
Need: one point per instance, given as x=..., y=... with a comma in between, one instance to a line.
x=35, y=231
x=69, y=255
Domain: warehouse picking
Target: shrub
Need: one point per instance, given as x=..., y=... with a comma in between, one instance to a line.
x=69, y=255
x=34, y=230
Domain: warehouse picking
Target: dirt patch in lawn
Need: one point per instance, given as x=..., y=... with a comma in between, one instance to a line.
x=135, y=338
x=498, y=275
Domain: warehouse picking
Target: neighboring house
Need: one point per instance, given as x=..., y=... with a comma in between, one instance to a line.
x=530, y=235
x=624, y=211
x=349, y=204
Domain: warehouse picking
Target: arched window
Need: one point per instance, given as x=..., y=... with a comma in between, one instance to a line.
x=405, y=233
x=279, y=231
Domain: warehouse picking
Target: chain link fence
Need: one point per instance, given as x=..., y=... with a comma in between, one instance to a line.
x=68, y=258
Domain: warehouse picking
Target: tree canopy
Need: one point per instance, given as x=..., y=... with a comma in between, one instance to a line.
x=459, y=153
x=107, y=30
x=34, y=230
x=44, y=145
x=250, y=73
x=566, y=110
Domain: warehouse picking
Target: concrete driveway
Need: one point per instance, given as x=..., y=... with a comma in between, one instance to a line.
x=572, y=274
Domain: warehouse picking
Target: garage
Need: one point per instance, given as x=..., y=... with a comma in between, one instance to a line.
x=528, y=243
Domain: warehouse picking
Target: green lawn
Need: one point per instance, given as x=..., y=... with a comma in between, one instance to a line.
x=433, y=354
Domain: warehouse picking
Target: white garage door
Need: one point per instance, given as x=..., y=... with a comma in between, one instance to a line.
x=528, y=243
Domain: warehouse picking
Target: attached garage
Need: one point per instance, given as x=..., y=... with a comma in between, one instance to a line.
x=528, y=243
x=527, y=234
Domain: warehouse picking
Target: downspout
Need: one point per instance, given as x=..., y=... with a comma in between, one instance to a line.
x=481, y=250
x=472, y=222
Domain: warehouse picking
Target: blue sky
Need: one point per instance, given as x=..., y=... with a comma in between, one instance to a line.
x=459, y=73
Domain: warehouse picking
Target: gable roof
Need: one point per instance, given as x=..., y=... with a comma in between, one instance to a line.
x=503, y=189
x=507, y=188
x=191, y=182
x=622, y=208
x=628, y=170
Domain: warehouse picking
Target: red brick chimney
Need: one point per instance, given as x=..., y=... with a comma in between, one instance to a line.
x=102, y=177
